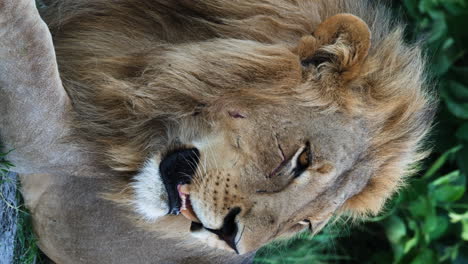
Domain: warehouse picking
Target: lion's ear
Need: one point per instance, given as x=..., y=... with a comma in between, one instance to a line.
x=342, y=41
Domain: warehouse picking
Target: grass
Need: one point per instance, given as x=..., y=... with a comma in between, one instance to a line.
x=305, y=249
x=25, y=248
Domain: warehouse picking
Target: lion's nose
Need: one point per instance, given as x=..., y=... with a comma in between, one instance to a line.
x=229, y=229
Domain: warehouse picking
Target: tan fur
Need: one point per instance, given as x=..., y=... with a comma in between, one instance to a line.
x=145, y=77
x=387, y=93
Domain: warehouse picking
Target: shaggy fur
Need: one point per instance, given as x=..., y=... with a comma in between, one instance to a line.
x=111, y=54
x=151, y=75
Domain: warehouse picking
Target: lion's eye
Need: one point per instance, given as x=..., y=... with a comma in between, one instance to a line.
x=303, y=160
x=306, y=222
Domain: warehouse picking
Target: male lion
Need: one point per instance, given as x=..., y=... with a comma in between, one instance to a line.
x=211, y=122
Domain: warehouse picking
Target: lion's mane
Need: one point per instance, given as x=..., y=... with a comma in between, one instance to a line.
x=110, y=53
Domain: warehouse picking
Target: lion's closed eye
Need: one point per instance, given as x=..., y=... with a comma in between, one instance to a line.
x=303, y=160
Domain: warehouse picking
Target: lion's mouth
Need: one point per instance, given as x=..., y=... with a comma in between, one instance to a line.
x=186, y=207
x=177, y=169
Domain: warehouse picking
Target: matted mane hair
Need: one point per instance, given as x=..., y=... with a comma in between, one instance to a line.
x=107, y=51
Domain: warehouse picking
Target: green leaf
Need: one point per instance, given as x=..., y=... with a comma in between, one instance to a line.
x=420, y=207
x=8, y=164
x=441, y=64
x=425, y=6
x=448, y=188
x=441, y=161
x=463, y=218
x=464, y=234
x=455, y=218
x=448, y=43
x=439, y=26
x=446, y=179
x=425, y=256
x=6, y=153
x=448, y=194
x=440, y=228
x=395, y=229
x=458, y=110
x=411, y=243
x=450, y=253
x=430, y=225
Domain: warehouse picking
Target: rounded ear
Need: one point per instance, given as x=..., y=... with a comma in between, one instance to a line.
x=342, y=39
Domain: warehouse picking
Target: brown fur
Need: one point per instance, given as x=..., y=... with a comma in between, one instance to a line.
x=72, y=223
x=115, y=59
x=144, y=76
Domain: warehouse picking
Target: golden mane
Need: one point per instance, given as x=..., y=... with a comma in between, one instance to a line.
x=125, y=106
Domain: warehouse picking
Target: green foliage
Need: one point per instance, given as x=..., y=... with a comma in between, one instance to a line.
x=26, y=249
x=428, y=221
x=428, y=225
x=5, y=165
x=303, y=249
x=433, y=210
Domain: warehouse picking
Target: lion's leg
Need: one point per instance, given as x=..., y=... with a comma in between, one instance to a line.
x=33, y=103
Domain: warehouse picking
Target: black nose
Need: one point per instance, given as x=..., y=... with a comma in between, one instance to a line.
x=229, y=229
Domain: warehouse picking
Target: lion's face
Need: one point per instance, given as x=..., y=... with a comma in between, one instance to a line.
x=276, y=139
x=262, y=161
x=259, y=172
x=252, y=126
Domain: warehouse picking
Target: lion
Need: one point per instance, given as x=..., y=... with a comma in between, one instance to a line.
x=157, y=131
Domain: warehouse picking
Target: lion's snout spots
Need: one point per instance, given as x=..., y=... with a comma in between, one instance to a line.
x=214, y=195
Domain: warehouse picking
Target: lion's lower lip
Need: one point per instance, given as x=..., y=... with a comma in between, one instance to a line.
x=176, y=169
